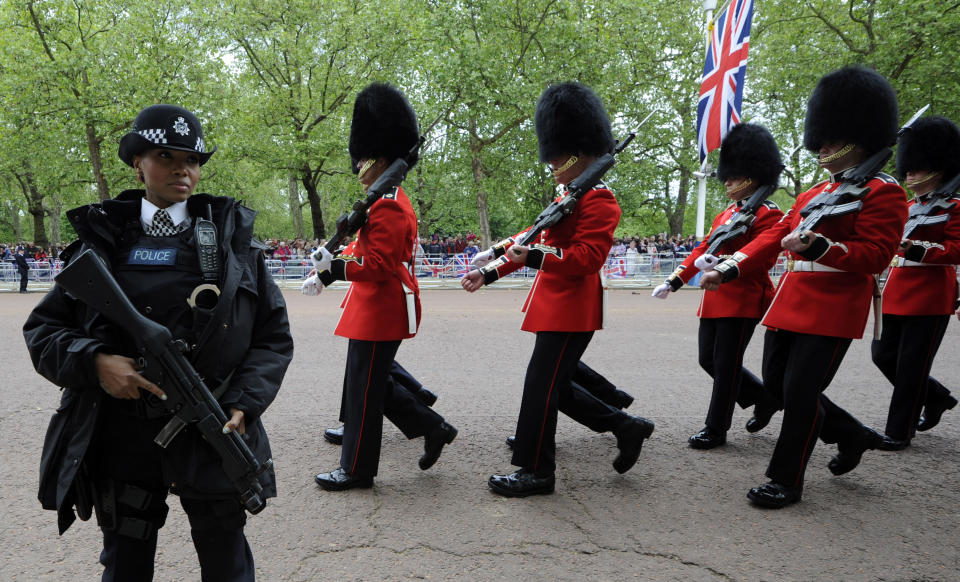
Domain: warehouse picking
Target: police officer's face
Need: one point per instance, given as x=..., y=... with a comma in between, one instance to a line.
x=169, y=176
x=922, y=181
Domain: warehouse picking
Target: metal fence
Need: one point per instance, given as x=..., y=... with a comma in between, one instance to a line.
x=433, y=271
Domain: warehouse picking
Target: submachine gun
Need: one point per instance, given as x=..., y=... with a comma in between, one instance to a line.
x=924, y=214
x=582, y=184
x=162, y=361
x=349, y=224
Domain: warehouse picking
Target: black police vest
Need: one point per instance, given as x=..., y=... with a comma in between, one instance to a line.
x=158, y=274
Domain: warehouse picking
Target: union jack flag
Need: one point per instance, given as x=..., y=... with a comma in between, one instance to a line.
x=721, y=90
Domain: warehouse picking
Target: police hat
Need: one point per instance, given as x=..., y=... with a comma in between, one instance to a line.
x=164, y=126
x=384, y=125
x=749, y=151
x=570, y=120
x=932, y=144
x=851, y=105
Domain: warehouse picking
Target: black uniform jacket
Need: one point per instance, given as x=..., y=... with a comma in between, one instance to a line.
x=249, y=336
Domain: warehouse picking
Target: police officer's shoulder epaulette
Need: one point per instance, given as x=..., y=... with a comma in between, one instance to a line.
x=886, y=178
x=771, y=204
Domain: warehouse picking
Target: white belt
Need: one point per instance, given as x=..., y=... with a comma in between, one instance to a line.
x=810, y=267
x=902, y=262
x=411, y=303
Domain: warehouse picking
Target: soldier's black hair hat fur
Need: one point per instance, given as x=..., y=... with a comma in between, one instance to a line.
x=384, y=125
x=931, y=143
x=570, y=120
x=749, y=151
x=851, y=105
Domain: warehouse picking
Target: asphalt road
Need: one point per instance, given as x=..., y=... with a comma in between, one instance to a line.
x=680, y=514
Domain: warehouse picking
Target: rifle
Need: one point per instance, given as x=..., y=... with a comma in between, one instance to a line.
x=739, y=225
x=162, y=362
x=848, y=197
x=923, y=214
x=349, y=224
x=582, y=184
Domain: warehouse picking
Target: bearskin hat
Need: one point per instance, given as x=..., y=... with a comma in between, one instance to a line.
x=384, y=125
x=570, y=120
x=164, y=126
x=851, y=105
x=932, y=144
x=749, y=151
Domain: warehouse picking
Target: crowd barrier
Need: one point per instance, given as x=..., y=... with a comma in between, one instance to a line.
x=432, y=271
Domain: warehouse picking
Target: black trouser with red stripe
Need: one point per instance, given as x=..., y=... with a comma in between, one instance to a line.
x=401, y=406
x=797, y=368
x=722, y=343
x=369, y=393
x=904, y=353
x=547, y=388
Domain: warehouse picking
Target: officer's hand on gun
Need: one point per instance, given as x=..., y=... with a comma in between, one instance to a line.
x=321, y=259
x=119, y=377
x=706, y=262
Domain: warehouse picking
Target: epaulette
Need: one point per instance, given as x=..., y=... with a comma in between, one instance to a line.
x=886, y=178
x=390, y=195
x=771, y=204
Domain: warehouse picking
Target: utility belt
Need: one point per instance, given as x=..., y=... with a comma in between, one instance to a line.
x=899, y=261
x=113, y=501
x=795, y=266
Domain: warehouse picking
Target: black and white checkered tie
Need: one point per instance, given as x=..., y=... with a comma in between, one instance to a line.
x=162, y=225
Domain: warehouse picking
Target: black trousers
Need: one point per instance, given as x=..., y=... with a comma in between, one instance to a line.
x=797, y=368
x=548, y=389
x=722, y=342
x=370, y=392
x=124, y=454
x=904, y=353
x=586, y=378
x=23, y=280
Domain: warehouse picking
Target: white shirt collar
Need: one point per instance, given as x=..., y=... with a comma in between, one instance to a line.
x=178, y=212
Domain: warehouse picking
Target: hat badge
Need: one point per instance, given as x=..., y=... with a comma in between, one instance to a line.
x=180, y=126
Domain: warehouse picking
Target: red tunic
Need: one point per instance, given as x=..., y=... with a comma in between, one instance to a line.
x=927, y=290
x=861, y=244
x=749, y=294
x=567, y=294
x=374, y=308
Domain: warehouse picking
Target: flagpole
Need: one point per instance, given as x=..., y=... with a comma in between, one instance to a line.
x=708, y=8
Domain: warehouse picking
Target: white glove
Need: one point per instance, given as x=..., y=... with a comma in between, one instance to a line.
x=311, y=286
x=322, y=263
x=706, y=262
x=662, y=291
x=482, y=258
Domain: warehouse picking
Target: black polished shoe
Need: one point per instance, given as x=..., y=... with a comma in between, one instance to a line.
x=511, y=440
x=707, y=439
x=621, y=399
x=425, y=396
x=630, y=436
x=933, y=412
x=521, y=484
x=340, y=480
x=433, y=443
x=891, y=444
x=848, y=456
x=774, y=495
x=334, y=435
x=760, y=419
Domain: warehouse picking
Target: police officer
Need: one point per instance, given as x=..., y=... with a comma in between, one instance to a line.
x=382, y=305
x=822, y=303
x=565, y=304
x=23, y=268
x=100, y=442
x=749, y=159
x=921, y=289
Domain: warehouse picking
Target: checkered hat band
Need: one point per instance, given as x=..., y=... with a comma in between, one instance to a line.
x=154, y=135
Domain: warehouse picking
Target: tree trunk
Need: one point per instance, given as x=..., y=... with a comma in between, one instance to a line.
x=296, y=211
x=54, y=212
x=316, y=213
x=676, y=219
x=476, y=160
x=34, y=206
x=93, y=144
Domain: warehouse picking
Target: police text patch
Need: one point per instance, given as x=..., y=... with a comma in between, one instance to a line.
x=151, y=256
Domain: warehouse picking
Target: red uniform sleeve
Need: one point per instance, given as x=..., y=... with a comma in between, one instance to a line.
x=946, y=252
x=767, y=218
x=598, y=217
x=382, y=245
